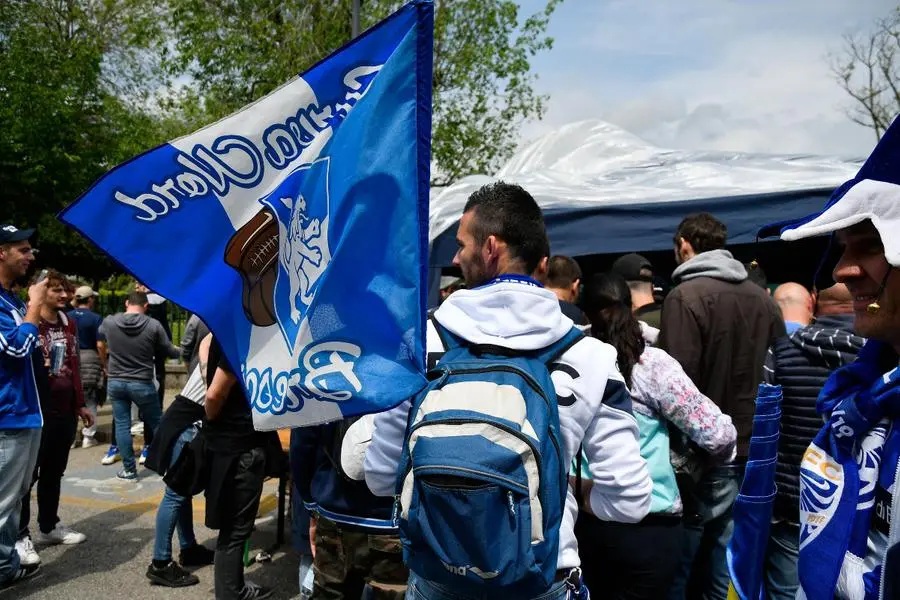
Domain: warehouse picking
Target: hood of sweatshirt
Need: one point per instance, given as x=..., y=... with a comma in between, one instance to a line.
x=718, y=264
x=514, y=313
x=131, y=323
x=155, y=298
x=832, y=338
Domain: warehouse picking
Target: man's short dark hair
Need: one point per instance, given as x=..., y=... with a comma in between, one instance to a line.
x=562, y=272
x=137, y=299
x=55, y=278
x=703, y=232
x=508, y=212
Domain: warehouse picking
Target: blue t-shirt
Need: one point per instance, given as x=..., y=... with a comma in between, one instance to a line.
x=88, y=328
x=792, y=326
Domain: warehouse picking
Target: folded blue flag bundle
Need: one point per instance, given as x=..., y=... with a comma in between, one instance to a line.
x=753, y=506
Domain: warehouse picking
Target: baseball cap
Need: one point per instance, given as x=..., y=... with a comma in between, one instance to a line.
x=85, y=291
x=873, y=194
x=449, y=280
x=629, y=267
x=11, y=233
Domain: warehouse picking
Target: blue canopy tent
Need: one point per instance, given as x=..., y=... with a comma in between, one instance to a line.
x=605, y=191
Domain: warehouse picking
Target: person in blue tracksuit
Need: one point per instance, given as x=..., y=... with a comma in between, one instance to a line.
x=20, y=412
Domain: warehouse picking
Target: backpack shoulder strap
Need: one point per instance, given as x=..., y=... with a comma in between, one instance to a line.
x=554, y=351
x=448, y=340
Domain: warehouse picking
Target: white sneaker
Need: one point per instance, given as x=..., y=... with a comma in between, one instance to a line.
x=89, y=442
x=60, y=535
x=137, y=428
x=27, y=555
x=112, y=455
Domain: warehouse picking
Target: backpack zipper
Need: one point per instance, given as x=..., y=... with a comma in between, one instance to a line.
x=506, y=480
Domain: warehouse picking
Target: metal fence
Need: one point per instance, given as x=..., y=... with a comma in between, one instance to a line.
x=109, y=303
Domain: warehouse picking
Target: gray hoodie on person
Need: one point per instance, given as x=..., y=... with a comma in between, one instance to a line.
x=718, y=264
x=134, y=341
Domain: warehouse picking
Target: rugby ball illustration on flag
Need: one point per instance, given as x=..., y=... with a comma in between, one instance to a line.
x=253, y=252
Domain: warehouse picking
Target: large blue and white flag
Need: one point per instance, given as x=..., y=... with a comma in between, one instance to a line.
x=296, y=228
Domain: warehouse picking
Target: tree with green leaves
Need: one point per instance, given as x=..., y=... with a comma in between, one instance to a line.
x=87, y=84
x=233, y=52
x=75, y=77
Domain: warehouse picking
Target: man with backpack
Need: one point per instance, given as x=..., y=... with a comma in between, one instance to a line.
x=478, y=461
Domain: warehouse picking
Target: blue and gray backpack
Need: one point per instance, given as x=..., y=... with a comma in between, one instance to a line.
x=482, y=481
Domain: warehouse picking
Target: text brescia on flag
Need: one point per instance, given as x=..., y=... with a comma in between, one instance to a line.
x=296, y=228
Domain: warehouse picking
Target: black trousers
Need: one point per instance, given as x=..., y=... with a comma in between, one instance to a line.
x=238, y=512
x=160, y=367
x=56, y=441
x=622, y=561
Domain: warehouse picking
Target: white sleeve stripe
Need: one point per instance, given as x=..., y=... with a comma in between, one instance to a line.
x=23, y=350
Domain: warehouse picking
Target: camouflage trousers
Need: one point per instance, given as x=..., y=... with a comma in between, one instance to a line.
x=350, y=565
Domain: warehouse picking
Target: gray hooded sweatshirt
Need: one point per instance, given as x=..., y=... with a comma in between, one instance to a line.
x=719, y=264
x=134, y=341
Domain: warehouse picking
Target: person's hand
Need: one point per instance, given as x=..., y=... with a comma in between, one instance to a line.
x=38, y=292
x=86, y=417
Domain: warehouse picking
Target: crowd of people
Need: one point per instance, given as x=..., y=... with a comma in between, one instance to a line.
x=58, y=362
x=579, y=435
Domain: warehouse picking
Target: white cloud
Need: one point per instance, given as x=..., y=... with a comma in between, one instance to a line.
x=704, y=74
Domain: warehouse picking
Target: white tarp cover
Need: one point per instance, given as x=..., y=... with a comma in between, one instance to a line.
x=590, y=163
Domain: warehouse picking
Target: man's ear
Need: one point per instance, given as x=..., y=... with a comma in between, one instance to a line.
x=491, y=250
x=576, y=285
x=686, y=249
x=542, y=270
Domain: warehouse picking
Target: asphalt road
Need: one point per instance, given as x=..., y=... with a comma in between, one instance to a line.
x=118, y=519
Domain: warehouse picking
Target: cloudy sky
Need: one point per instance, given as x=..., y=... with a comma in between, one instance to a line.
x=747, y=75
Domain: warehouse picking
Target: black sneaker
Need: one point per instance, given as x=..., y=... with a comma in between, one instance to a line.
x=252, y=591
x=171, y=575
x=197, y=555
x=22, y=573
x=126, y=475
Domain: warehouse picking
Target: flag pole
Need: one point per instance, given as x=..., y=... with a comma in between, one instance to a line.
x=354, y=23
